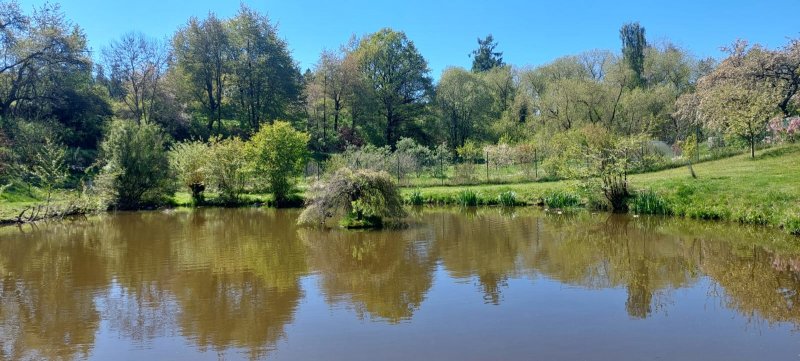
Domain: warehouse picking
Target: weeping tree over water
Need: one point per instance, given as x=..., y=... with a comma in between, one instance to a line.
x=364, y=198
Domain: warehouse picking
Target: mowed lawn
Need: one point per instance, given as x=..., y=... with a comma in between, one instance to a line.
x=764, y=190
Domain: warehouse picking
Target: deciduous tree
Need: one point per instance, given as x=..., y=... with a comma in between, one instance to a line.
x=139, y=64
x=202, y=51
x=397, y=77
x=266, y=80
x=465, y=101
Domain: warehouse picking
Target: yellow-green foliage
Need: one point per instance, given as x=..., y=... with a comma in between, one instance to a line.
x=278, y=152
x=228, y=169
x=469, y=152
x=190, y=161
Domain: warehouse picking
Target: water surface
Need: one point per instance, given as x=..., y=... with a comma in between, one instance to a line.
x=486, y=284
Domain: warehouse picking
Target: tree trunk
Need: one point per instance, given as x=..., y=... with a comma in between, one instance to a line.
x=390, y=130
x=337, y=105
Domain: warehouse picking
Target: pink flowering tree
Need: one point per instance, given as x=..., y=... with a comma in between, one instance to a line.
x=784, y=129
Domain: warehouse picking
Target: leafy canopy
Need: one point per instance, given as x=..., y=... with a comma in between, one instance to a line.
x=137, y=172
x=278, y=152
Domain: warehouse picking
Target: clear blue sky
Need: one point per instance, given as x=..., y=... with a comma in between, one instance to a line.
x=529, y=32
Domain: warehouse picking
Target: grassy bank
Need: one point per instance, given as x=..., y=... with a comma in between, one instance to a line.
x=764, y=191
x=18, y=198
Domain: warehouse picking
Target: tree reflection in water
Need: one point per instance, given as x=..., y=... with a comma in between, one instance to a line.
x=231, y=279
x=381, y=274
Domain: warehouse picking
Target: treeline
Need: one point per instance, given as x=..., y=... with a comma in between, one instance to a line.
x=216, y=79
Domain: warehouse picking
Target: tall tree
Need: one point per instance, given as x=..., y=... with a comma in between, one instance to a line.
x=357, y=97
x=202, y=50
x=139, y=63
x=783, y=68
x=736, y=101
x=335, y=81
x=465, y=102
x=485, y=57
x=37, y=54
x=633, y=49
x=397, y=77
x=502, y=82
x=326, y=90
x=266, y=79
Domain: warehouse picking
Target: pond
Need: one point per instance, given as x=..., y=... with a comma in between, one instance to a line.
x=474, y=284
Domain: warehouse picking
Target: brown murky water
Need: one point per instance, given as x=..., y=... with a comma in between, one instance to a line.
x=480, y=284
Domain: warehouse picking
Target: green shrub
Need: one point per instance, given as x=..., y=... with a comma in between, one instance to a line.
x=649, y=202
x=278, y=152
x=559, y=199
x=364, y=198
x=190, y=161
x=592, y=195
x=507, y=199
x=49, y=166
x=353, y=221
x=596, y=202
x=416, y=198
x=365, y=157
x=228, y=169
x=25, y=144
x=467, y=198
x=136, y=171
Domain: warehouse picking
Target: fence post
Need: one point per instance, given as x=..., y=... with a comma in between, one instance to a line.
x=536, y=163
x=441, y=169
x=487, y=167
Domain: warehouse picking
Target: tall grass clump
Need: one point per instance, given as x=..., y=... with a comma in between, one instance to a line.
x=791, y=224
x=649, y=202
x=560, y=199
x=467, y=198
x=753, y=215
x=507, y=199
x=416, y=198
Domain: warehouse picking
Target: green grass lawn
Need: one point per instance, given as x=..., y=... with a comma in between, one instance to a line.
x=16, y=198
x=765, y=190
